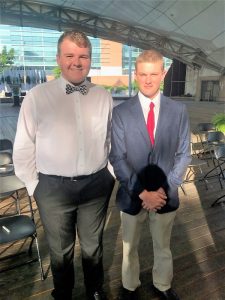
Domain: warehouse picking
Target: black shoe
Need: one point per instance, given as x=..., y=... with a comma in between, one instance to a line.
x=59, y=295
x=128, y=295
x=169, y=294
x=97, y=295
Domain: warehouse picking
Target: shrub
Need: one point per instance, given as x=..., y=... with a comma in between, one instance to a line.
x=219, y=121
x=56, y=72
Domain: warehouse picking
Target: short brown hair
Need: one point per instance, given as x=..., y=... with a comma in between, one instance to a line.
x=151, y=56
x=78, y=37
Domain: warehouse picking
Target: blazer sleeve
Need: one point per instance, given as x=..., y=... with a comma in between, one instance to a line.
x=118, y=157
x=183, y=155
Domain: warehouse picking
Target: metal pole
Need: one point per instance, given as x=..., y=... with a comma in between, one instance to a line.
x=130, y=71
x=171, y=79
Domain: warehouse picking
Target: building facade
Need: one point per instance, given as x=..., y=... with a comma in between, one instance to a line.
x=35, y=48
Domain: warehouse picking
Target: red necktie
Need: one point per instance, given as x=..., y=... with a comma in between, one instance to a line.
x=151, y=123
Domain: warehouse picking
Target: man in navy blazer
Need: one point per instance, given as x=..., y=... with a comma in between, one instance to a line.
x=150, y=169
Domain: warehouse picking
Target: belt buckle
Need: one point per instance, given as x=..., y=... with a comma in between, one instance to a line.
x=72, y=179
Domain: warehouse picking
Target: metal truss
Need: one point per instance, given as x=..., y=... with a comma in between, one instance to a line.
x=37, y=14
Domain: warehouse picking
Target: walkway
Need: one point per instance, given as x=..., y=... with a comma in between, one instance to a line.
x=198, y=240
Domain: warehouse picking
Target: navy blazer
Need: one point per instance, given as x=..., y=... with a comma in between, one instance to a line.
x=131, y=150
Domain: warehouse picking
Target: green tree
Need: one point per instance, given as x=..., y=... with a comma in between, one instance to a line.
x=56, y=72
x=6, y=58
x=134, y=86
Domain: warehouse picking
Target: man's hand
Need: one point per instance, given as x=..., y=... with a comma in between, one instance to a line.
x=153, y=200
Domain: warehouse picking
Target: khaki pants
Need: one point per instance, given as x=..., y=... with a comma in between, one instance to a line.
x=160, y=228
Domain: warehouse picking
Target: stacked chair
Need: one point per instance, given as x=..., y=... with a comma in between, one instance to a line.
x=205, y=139
x=6, y=169
x=214, y=139
x=219, y=152
x=195, y=169
x=15, y=226
x=200, y=145
x=6, y=146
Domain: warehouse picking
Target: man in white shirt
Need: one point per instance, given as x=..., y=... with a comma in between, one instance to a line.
x=150, y=153
x=61, y=153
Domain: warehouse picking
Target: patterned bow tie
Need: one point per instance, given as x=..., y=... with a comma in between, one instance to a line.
x=80, y=88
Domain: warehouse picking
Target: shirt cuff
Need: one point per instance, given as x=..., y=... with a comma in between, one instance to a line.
x=110, y=168
x=31, y=186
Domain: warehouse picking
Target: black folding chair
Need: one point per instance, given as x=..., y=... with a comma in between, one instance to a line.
x=6, y=145
x=195, y=172
x=18, y=227
x=200, y=145
x=6, y=165
x=6, y=169
x=219, y=153
x=205, y=127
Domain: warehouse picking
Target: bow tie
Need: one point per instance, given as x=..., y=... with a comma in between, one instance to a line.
x=80, y=88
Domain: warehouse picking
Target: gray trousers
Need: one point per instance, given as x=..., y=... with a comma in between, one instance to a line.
x=68, y=207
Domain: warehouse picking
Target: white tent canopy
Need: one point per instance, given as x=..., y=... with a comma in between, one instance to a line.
x=192, y=31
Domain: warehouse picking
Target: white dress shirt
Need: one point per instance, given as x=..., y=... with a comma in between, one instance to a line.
x=145, y=104
x=62, y=134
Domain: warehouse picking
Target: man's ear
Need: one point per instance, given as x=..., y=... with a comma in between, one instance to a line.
x=57, y=59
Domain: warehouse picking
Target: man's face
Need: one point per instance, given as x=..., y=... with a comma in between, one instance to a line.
x=75, y=62
x=149, y=76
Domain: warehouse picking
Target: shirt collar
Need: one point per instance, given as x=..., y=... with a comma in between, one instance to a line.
x=145, y=101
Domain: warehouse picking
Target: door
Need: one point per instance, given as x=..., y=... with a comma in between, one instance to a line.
x=209, y=90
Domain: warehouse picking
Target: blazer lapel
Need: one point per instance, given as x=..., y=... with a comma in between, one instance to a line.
x=138, y=116
x=161, y=124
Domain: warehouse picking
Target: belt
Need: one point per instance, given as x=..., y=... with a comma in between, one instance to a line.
x=73, y=178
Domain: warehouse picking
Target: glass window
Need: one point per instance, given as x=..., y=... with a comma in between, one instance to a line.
x=126, y=52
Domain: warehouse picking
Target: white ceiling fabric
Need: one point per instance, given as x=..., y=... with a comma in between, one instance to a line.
x=190, y=30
